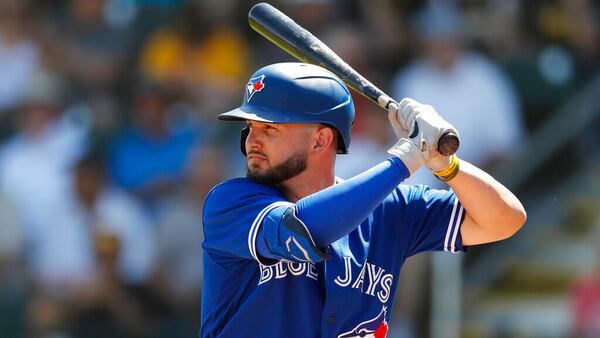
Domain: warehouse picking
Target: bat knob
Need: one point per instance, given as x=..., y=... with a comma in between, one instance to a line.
x=448, y=144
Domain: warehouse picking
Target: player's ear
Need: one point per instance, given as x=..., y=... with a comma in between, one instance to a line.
x=324, y=138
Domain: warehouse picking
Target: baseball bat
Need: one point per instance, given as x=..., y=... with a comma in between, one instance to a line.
x=299, y=42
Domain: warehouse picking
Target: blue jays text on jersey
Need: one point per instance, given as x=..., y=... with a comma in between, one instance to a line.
x=350, y=294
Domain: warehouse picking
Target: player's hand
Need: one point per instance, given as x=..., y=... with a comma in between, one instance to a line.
x=421, y=126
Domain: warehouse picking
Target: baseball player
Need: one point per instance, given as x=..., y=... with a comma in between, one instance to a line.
x=292, y=251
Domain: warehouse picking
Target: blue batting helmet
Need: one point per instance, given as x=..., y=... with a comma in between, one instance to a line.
x=297, y=92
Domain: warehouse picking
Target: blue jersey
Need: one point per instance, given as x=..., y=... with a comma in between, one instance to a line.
x=348, y=295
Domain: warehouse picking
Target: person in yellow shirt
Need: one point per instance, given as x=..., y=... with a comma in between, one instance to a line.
x=207, y=61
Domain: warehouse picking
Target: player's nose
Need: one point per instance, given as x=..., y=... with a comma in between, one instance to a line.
x=253, y=141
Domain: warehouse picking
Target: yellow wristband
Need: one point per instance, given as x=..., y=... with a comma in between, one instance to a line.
x=450, y=172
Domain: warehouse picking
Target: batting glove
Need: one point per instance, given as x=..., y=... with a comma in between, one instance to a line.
x=418, y=128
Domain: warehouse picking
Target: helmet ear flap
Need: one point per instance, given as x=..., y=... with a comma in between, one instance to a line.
x=243, y=136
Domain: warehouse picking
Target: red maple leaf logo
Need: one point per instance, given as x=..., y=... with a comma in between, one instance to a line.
x=381, y=331
x=258, y=86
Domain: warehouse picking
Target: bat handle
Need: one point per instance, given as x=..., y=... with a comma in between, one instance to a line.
x=447, y=144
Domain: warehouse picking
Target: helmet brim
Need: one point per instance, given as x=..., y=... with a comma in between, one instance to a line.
x=240, y=115
x=262, y=115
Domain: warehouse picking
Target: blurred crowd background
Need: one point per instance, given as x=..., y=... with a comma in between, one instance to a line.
x=109, y=143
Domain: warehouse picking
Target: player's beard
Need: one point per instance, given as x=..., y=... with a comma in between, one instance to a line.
x=293, y=166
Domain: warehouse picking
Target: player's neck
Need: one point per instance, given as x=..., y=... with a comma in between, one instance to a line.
x=310, y=181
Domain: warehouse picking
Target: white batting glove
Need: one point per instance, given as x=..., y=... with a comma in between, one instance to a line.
x=408, y=151
x=419, y=128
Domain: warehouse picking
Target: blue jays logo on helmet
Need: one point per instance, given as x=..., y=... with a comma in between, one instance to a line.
x=256, y=84
x=372, y=328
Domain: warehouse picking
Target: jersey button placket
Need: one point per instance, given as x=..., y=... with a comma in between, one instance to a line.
x=330, y=319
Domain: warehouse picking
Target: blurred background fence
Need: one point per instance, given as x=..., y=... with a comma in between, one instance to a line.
x=109, y=144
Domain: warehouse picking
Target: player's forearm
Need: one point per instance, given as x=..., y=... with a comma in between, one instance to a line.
x=495, y=211
x=332, y=213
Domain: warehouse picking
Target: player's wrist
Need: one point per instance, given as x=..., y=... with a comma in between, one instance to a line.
x=439, y=162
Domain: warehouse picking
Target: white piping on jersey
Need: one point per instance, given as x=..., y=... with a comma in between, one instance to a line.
x=256, y=226
x=456, y=227
x=453, y=226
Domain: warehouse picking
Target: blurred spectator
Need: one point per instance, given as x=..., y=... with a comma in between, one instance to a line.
x=353, y=46
x=199, y=54
x=548, y=48
x=92, y=43
x=105, y=235
x=123, y=246
x=315, y=15
x=180, y=229
x=11, y=238
x=369, y=147
x=180, y=236
x=586, y=307
x=371, y=133
x=149, y=158
x=34, y=175
x=572, y=24
x=35, y=165
x=386, y=20
x=12, y=272
x=465, y=87
x=585, y=295
x=505, y=36
x=19, y=54
x=108, y=306
x=90, y=49
x=112, y=216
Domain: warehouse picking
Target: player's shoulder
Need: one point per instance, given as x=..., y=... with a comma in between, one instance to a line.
x=236, y=198
x=237, y=189
x=243, y=185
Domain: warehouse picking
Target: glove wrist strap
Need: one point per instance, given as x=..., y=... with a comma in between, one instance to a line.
x=450, y=172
